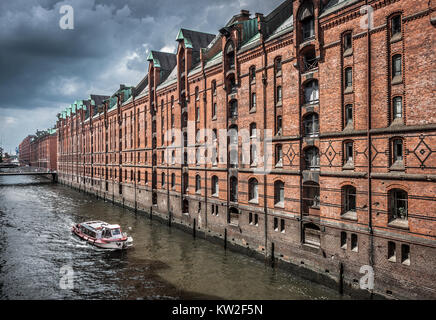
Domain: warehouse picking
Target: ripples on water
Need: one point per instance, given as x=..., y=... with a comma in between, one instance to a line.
x=35, y=242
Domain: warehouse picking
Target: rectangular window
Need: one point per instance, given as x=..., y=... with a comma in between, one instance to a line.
x=349, y=152
x=396, y=66
x=253, y=100
x=405, y=254
x=343, y=240
x=214, y=110
x=279, y=155
x=398, y=108
x=398, y=150
x=391, y=251
x=354, y=243
x=279, y=125
x=250, y=218
x=348, y=114
x=256, y=219
x=348, y=78
x=396, y=25
x=279, y=94
x=282, y=225
x=276, y=224
x=347, y=43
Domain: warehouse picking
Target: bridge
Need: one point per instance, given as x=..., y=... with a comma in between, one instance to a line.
x=29, y=171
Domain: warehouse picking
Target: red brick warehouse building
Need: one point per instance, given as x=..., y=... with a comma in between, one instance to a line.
x=43, y=149
x=24, y=151
x=353, y=138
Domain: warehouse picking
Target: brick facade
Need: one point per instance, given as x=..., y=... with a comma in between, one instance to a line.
x=344, y=116
x=24, y=151
x=43, y=150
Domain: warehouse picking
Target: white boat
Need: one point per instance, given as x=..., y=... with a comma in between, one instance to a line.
x=103, y=235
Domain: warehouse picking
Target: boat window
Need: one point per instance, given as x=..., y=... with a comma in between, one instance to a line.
x=115, y=232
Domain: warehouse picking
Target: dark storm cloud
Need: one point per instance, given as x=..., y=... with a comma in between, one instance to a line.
x=44, y=68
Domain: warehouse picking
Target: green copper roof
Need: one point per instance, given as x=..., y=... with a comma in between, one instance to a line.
x=250, y=29
x=180, y=36
x=156, y=62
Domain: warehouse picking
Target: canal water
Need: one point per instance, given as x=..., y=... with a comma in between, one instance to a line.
x=35, y=243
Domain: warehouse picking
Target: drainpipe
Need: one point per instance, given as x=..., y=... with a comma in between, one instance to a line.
x=205, y=124
x=135, y=137
x=368, y=62
x=264, y=85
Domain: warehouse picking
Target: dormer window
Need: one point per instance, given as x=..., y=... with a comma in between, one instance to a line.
x=230, y=53
x=307, y=21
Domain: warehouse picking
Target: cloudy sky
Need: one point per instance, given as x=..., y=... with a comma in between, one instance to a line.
x=44, y=68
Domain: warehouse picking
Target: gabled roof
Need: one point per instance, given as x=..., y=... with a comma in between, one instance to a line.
x=165, y=61
x=162, y=60
x=275, y=20
x=195, y=39
x=98, y=99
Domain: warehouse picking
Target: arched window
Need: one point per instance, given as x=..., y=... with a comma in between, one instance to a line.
x=233, y=189
x=173, y=180
x=197, y=183
x=348, y=200
x=398, y=205
x=307, y=21
x=311, y=125
x=215, y=186
x=311, y=157
x=311, y=92
x=163, y=179
x=253, y=190
x=279, y=193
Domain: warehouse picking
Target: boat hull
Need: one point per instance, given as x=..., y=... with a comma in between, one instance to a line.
x=119, y=244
